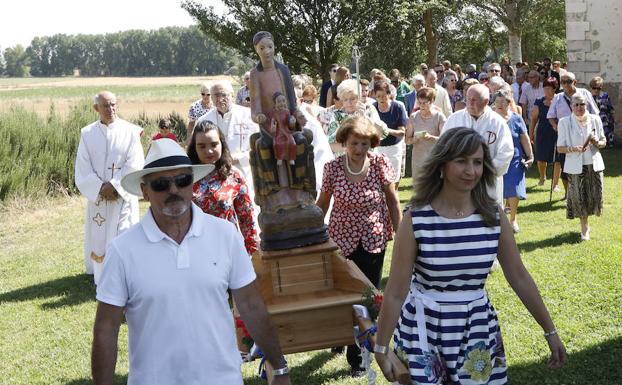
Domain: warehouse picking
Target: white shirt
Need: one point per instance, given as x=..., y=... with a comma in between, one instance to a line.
x=529, y=96
x=495, y=131
x=572, y=134
x=442, y=100
x=180, y=327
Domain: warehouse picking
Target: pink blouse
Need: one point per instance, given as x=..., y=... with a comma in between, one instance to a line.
x=360, y=213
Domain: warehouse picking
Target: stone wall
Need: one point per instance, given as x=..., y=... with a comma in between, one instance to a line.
x=594, y=39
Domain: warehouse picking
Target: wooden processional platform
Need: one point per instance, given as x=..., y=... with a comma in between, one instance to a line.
x=309, y=292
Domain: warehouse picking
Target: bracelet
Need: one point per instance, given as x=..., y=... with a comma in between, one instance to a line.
x=551, y=333
x=380, y=349
x=280, y=372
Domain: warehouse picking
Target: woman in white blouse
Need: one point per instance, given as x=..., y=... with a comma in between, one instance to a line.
x=580, y=136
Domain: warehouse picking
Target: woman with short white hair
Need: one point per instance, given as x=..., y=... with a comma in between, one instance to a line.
x=580, y=137
x=347, y=92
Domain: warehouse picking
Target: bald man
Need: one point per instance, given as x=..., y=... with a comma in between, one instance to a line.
x=493, y=129
x=442, y=97
x=109, y=148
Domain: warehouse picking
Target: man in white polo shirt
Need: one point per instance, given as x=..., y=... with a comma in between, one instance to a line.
x=170, y=274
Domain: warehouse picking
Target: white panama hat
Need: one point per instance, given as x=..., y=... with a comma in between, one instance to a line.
x=164, y=154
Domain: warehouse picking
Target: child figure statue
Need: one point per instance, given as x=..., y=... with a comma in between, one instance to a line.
x=283, y=125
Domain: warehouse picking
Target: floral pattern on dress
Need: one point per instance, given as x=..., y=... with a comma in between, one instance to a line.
x=606, y=115
x=197, y=110
x=360, y=213
x=228, y=199
x=433, y=366
x=477, y=363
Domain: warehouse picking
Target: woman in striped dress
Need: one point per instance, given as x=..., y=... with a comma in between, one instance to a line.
x=447, y=329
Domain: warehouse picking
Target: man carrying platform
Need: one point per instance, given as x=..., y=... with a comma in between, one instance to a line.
x=169, y=276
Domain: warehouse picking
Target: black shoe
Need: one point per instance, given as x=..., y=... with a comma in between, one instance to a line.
x=357, y=372
x=337, y=350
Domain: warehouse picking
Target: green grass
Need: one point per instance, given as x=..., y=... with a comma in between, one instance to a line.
x=47, y=307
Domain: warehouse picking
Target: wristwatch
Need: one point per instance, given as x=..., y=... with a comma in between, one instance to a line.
x=281, y=372
x=380, y=349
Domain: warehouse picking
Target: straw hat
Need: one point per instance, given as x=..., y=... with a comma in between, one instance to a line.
x=164, y=154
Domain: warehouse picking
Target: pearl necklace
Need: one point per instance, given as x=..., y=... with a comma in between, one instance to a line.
x=363, y=169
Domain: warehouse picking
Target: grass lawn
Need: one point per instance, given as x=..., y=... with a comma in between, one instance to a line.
x=47, y=307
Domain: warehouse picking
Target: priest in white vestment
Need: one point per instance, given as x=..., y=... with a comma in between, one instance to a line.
x=109, y=148
x=493, y=129
x=236, y=125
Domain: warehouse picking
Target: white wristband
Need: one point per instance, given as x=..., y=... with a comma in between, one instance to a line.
x=380, y=349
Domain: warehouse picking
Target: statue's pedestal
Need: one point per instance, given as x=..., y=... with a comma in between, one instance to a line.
x=309, y=292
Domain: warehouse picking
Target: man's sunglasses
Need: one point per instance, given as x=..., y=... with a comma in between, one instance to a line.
x=164, y=183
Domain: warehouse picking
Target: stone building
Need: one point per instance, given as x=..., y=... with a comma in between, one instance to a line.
x=594, y=38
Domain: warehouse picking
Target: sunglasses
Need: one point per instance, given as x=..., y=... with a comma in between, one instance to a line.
x=204, y=94
x=495, y=71
x=597, y=88
x=164, y=183
x=567, y=81
x=579, y=104
x=439, y=71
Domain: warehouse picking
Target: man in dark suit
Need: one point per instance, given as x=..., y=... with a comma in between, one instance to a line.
x=327, y=84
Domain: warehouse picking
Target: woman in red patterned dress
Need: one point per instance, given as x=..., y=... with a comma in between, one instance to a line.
x=223, y=193
x=366, y=209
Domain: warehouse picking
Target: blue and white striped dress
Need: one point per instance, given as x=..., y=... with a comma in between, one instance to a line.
x=464, y=340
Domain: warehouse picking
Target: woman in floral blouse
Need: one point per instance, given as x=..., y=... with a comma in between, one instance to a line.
x=223, y=193
x=605, y=106
x=366, y=207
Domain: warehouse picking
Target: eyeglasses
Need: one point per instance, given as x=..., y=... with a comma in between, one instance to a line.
x=164, y=183
x=579, y=104
x=597, y=88
x=220, y=96
x=483, y=78
x=204, y=94
x=567, y=81
x=495, y=70
x=452, y=80
x=439, y=71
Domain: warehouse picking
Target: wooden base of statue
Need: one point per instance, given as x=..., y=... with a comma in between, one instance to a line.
x=309, y=292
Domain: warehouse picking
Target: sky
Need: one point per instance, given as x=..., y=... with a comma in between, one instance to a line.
x=22, y=20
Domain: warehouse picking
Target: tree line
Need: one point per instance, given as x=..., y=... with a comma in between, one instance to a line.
x=311, y=35
x=170, y=51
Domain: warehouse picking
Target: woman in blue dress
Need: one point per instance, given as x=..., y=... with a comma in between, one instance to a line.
x=544, y=136
x=514, y=186
x=447, y=329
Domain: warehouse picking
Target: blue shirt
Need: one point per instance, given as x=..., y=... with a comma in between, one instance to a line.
x=394, y=118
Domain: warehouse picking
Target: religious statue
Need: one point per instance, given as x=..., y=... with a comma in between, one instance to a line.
x=282, y=123
x=285, y=191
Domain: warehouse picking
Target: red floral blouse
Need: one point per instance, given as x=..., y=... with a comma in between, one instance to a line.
x=228, y=199
x=360, y=213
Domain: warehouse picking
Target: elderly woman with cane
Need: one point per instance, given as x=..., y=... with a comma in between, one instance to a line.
x=445, y=246
x=580, y=137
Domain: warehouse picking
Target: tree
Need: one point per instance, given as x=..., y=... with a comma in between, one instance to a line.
x=309, y=34
x=16, y=61
x=515, y=15
x=2, y=64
